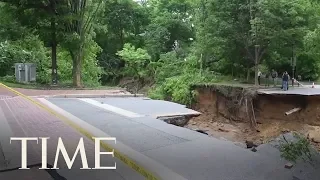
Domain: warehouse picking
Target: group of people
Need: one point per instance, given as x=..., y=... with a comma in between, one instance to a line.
x=274, y=76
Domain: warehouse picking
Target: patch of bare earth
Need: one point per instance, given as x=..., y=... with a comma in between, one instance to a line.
x=240, y=132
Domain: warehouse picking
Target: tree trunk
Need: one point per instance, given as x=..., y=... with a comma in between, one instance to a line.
x=232, y=75
x=54, y=66
x=76, y=69
x=256, y=66
x=248, y=74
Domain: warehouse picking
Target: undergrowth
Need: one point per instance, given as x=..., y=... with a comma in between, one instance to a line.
x=179, y=88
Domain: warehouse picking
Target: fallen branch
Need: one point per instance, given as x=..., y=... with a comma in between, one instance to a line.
x=292, y=111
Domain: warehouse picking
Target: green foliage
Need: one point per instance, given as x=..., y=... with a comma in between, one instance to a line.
x=136, y=60
x=175, y=76
x=27, y=50
x=91, y=71
x=126, y=22
x=167, y=66
x=178, y=88
x=294, y=151
x=64, y=66
x=8, y=79
x=172, y=43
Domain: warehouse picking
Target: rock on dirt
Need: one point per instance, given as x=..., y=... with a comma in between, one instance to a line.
x=250, y=144
x=254, y=149
x=285, y=131
x=223, y=130
x=314, y=135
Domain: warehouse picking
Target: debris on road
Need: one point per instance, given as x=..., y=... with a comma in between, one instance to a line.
x=254, y=149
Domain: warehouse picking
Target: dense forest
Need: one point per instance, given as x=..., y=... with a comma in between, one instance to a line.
x=165, y=44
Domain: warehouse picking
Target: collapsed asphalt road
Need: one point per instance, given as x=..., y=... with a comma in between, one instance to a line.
x=191, y=154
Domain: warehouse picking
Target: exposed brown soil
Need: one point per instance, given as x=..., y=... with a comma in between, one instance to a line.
x=133, y=86
x=269, y=112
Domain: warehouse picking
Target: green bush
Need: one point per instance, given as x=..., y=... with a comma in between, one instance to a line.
x=8, y=78
x=27, y=50
x=178, y=88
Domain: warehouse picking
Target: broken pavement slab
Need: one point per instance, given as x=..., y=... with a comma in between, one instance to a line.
x=305, y=91
x=154, y=138
x=137, y=105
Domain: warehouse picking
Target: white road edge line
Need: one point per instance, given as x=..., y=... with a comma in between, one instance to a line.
x=153, y=166
x=114, y=109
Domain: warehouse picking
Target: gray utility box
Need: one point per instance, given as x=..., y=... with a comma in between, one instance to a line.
x=25, y=72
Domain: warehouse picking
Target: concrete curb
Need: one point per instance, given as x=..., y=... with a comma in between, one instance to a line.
x=88, y=95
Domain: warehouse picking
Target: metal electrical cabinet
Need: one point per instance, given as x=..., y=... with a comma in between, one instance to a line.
x=25, y=72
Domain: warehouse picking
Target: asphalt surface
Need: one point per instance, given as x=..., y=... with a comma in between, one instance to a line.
x=2, y=160
x=21, y=118
x=306, y=91
x=191, y=154
x=148, y=107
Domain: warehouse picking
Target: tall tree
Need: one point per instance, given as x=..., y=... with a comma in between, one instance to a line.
x=81, y=15
x=170, y=26
x=71, y=20
x=41, y=16
x=245, y=32
x=126, y=21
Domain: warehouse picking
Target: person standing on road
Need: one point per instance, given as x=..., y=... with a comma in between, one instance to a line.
x=274, y=75
x=285, y=79
x=259, y=76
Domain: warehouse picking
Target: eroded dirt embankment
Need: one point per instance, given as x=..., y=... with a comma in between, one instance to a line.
x=240, y=114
